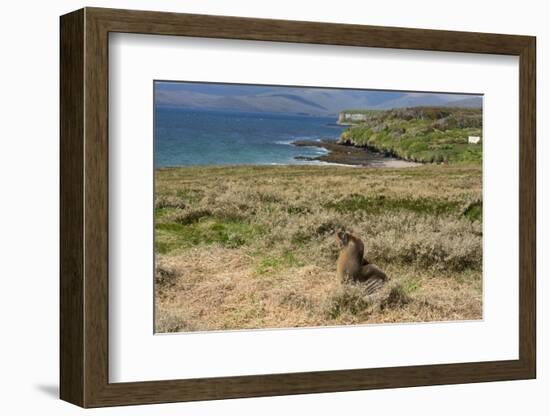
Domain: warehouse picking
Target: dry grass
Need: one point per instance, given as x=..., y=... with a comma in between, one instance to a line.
x=253, y=247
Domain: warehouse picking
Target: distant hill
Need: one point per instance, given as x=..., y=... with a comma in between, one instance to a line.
x=431, y=100
x=312, y=101
x=472, y=102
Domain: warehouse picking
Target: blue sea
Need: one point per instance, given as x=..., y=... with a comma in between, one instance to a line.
x=189, y=137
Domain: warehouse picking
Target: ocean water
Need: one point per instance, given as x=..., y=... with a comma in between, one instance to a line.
x=190, y=137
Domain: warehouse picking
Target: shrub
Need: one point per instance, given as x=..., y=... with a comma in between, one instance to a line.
x=295, y=299
x=190, y=217
x=169, y=201
x=396, y=298
x=165, y=274
x=437, y=243
x=348, y=298
x=167, y=321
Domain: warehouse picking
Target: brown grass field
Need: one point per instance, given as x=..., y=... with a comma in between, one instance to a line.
x=254, y=247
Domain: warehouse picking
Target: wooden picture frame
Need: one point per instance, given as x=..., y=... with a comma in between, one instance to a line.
x=84, y=207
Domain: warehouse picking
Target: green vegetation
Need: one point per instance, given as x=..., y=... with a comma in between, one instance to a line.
x=272, y=264
x=474, y=211
x=171, y=235
x=380, y=204
x=420, y=134
x=411, y=285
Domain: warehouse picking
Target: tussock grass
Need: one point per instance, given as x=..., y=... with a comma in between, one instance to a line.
x=190, y=216
x=350, y=299
x=254, y=247
x=169, y=201
x=165, y=273
x=396, y=298
x=379, y=204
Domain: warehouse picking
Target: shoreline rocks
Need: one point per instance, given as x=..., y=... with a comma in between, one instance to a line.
x=346, y=154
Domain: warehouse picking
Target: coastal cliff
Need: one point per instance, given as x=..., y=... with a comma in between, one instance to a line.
x=418, y=134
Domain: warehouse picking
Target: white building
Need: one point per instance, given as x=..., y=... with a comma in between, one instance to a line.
x=348, y=117
x=474, y=139
x=358, y=117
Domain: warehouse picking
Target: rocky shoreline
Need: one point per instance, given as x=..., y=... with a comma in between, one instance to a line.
x=351, y=155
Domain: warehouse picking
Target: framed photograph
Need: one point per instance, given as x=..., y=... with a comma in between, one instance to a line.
x=255, y=207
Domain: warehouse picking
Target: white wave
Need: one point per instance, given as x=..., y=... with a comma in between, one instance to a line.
x=291, y=141
x=285, y=142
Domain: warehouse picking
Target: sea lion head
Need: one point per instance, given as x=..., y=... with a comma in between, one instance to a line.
x=343, y=237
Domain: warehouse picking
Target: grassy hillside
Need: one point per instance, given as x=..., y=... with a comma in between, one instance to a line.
x=254, y=247
x=420, y=134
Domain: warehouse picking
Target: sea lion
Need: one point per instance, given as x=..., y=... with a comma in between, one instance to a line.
x=352, y=267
